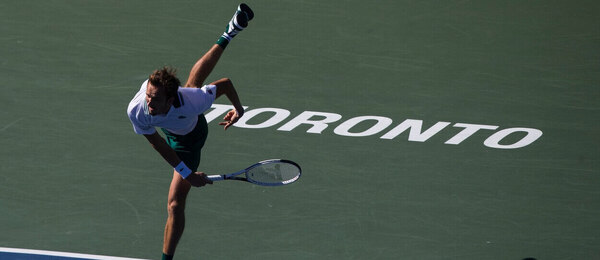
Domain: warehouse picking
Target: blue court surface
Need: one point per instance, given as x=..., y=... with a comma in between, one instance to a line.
x=29, y=254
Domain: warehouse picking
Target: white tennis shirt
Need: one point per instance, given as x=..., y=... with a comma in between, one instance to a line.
x=179, y=120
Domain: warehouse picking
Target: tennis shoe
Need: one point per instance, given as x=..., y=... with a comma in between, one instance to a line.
x=239, y=21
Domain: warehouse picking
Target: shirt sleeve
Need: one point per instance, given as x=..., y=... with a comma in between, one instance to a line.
x=139, y=127
x=135, y=112
x=200, y=99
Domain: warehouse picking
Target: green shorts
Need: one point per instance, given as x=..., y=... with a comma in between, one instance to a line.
x=188, y=147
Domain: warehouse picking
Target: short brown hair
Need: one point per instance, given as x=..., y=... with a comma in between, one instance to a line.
x=166, y=79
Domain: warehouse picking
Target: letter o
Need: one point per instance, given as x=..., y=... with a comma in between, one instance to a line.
x=344, y=128
x=494, y=140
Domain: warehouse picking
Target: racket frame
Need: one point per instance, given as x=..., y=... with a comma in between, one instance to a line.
x=236, y=175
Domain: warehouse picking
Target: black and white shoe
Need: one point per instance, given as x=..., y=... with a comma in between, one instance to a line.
x=239, y=21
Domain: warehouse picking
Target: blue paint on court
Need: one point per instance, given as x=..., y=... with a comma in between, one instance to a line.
x=29, y=254
x=25, y=256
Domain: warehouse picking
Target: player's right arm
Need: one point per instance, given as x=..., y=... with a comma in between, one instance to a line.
x=135, y=112
x=159, y=144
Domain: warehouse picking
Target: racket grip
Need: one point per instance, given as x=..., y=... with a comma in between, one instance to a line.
x=216, y=177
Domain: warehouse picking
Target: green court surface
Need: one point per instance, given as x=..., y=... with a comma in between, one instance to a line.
x=482, y=79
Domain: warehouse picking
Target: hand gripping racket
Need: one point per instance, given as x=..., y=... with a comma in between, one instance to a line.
x=274, y=172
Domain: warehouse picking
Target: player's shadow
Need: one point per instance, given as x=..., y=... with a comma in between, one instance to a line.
x=529, y=258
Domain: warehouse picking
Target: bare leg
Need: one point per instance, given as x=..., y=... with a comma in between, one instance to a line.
x=204, y=67
x=207, y=63
x=176, y=218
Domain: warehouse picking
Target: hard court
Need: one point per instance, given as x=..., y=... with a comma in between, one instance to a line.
x=495, y=152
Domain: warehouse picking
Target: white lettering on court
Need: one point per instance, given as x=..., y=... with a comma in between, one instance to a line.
x=469, y=130
x=415, y=133
x=344, y=128
x=280, y=115
x=218, y=111
x=494, y=140
x=319, y=121
x=318, y=125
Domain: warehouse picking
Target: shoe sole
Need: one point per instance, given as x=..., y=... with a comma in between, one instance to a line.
x=246, y=9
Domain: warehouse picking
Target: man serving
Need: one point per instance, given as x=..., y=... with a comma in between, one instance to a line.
x=178, y=111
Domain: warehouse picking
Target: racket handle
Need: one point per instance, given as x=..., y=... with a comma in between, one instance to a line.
x=216, y=177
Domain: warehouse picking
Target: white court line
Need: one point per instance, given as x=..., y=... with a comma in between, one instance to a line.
x=11, y=124
x=63, y=254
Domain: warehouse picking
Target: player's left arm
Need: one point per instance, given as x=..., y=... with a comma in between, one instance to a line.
x=225, y=87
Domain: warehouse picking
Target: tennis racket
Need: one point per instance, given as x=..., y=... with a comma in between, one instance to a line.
x=274, y=172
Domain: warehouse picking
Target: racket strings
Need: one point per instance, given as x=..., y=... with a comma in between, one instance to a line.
x=273, y=173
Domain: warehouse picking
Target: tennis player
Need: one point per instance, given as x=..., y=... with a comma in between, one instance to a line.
x=178, y=112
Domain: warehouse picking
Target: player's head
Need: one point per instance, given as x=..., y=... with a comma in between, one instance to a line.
x=161, y=90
